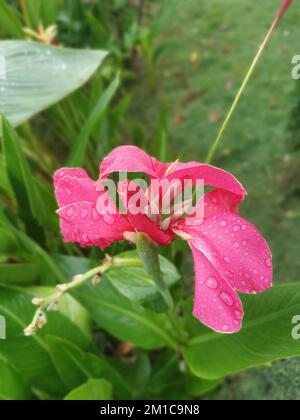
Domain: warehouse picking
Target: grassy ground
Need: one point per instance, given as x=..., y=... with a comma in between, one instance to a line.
x=213, y=43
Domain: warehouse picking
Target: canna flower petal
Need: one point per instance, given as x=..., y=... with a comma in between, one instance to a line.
x=216, y=304
x=233, y=245
x=229, y=250
x=210, y=175
x=131, y=159
x=82, y=220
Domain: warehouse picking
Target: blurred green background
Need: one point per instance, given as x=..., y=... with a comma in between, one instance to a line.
x=181, y=68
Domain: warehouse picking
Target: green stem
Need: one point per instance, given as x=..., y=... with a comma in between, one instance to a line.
x=236, y=101
x=52, y=301
x=147, y=251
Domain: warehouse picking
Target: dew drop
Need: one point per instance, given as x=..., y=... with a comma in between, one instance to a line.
x=227, y=260
x=268, y=262
x=226, y=298
x=212, y=283
x=109, y=219
x=70, y=212
x=236, y=245
x=229, y=274
x=236, y=228
x=223, y=224
x=225, y=328
x=238, y=315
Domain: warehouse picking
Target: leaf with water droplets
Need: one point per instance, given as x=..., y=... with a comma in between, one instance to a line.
x=37, y=76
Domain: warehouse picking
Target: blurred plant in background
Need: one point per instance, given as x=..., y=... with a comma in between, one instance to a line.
x=116, y=339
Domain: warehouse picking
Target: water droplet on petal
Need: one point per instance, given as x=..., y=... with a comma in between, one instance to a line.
x=227, y=260
x=269, y=262
x=70, y=212
x=109, y=219
x=95, y=215
x=226, y=298
x=238, y=315
x=212, y=283
x=223, y=224
x=236, y=228
x=236, y=245
x=225, y=328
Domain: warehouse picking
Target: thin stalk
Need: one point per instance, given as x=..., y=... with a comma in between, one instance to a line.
x=51, y=302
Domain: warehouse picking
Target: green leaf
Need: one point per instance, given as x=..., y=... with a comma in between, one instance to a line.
x=93, y=390
x=165, y=372
x=30, y=205
x=30, y=356
x=124, y=319
x=137, y=373
x=9, y=21
x=80, y=144
x=8, y=242
x=76, y=366
x=36, y=253
x=12, y=386
x=135, y=284
x=4, y=181
x=39, y=75
x=19, y=273
x=266, y=336
x=198, y=387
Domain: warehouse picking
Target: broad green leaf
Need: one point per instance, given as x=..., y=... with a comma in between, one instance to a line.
x=135, y=284
x=30, y=356
x=80, y=144
x=76, y=366
x=198, y=387
x=36, y=253
x=12, y=386
x=132, y=282
x=19, y=273
x=9, y=21
x=38, y=76
x=8, y=242
x=266, y=336
x=30, y=205
x=92, y=390
x=124, y=319
x=137, y=373
x=164, y=372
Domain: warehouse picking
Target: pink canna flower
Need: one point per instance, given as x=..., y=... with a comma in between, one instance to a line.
x=230, y=255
